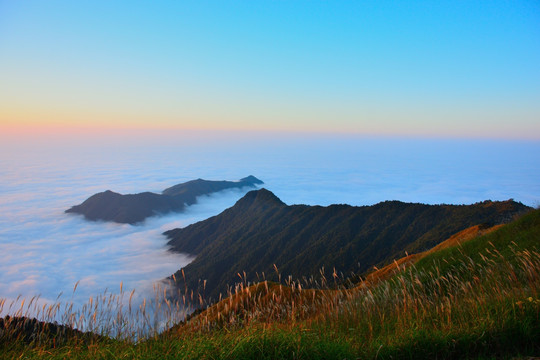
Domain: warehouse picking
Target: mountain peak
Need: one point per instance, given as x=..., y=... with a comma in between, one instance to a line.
x=252, y=180
x=259, y=198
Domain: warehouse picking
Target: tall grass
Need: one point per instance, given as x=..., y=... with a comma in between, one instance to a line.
x=476, y=308
x=121, y=316
x=477, y=300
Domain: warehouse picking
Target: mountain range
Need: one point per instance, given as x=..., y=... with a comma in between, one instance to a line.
x=260, y=236
x=134, y=208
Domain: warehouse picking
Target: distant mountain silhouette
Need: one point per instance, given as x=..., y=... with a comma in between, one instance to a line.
x=134, y=208
x=260, y=231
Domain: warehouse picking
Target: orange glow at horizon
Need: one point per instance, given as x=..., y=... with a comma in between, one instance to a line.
x=37, y=129
x=368, y=122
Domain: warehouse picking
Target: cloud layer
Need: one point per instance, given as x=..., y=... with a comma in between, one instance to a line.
x=46, y=252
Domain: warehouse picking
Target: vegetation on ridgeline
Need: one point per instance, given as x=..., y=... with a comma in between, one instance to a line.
x=474, y=297
x=260, y=231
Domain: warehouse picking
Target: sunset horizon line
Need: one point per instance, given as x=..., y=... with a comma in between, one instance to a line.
x=32, y=130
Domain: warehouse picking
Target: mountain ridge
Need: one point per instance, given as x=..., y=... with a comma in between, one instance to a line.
x=268, y=301
x=260, y=231
x=135, y=208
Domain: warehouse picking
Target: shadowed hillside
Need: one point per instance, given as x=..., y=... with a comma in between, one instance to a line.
x=270, y=302
x=32, y=331
x=260, y=233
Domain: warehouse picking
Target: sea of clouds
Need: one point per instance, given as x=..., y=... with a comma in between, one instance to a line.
x=46, y=252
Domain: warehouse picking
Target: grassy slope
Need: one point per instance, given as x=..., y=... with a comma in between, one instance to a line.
x=480, y=299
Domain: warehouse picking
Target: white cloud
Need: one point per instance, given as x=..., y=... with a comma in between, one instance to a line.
x=46, y=252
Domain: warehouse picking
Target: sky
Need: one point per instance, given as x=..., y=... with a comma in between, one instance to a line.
x=397, y=68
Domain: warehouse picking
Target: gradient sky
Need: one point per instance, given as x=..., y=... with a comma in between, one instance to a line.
x=420, y=68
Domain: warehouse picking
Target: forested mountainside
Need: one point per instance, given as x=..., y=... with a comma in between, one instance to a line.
x=260, y=233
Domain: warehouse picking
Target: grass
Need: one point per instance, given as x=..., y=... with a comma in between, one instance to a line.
x=479, y=300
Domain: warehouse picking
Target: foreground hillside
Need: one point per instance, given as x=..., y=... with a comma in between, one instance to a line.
x=476, y=296
x=260, y=233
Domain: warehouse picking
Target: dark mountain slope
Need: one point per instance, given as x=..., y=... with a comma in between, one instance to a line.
x=26, y=330
x=269, y=302
x=134, y=208
x=260, y=231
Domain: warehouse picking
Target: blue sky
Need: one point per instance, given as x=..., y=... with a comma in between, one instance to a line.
x=420, y=68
